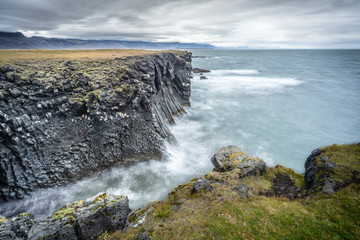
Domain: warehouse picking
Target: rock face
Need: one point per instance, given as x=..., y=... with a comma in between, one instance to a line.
x=76, y=221
x=64, y=120
x=330, y=168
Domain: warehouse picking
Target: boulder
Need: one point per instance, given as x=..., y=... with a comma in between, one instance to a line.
x=200, y=70
x=330, y=168
x=201, y=184
x=231, y=157
x=102, y=213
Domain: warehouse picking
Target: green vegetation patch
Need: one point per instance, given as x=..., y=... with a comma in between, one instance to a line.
x=68, y=210
x=346, y=159
x=321, y=217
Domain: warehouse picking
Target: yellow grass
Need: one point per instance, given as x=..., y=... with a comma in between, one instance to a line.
x=8, y=56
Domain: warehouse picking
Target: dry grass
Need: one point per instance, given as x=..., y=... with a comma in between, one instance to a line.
x=9, y=56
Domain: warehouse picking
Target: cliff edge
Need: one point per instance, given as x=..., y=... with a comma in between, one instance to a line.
x=65, y=115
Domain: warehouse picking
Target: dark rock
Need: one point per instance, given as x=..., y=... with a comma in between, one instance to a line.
x=203, y=77
x=284, y=186
x=242, y=190
x=55, y=137
x=77, y=221
x=317, y=173
x=200, y=70
x=201, y=184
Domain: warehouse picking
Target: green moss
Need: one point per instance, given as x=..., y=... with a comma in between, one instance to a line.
x=68, y=210
x=346, y=159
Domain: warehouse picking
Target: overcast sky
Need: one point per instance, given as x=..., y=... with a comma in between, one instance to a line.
x=253, y=23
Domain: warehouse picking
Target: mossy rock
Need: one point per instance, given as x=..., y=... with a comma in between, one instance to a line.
x=232, y=157
x=330, y=168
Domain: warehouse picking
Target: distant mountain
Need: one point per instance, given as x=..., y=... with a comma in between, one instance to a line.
x=16, y=40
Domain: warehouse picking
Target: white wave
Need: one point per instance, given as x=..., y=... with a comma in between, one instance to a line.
x=234, y=72
x=248, y=84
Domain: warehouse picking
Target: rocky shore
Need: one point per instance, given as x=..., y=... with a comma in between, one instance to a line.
x=232, y=202
x=65, y=119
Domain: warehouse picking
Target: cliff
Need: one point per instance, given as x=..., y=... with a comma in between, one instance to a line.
x=63, y=118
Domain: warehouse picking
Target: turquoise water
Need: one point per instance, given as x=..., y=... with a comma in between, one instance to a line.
x=278, y=105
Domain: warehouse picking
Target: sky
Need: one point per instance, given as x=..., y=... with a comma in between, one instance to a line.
x=225, y=23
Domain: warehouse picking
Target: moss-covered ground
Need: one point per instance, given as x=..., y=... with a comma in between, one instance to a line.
x=222, y=214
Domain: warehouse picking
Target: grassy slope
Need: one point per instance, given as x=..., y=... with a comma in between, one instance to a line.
x=221, y=214
x=9, y=56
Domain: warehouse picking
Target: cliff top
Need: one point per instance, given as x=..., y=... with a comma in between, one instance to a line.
x=10, y=56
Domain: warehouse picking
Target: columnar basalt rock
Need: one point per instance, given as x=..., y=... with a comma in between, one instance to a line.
x=76, y=221
x=62, y=120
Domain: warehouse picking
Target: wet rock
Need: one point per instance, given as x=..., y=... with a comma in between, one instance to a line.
x=201, y=184
x=200, y=70
x=203, y=77
x=242, y=190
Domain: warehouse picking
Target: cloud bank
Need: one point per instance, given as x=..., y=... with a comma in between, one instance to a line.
x=253, y=23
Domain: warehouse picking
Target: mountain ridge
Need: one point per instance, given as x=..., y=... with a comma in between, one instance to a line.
x=17, y=40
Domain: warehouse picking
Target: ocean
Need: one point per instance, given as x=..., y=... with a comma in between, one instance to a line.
x=278, y=105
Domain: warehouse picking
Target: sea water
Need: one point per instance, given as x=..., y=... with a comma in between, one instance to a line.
x=278, y=105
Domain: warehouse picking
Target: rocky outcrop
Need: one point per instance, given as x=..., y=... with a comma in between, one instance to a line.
x=77, y=221
x=231, y=157
x=63, y=120
x=330, y=168
x=200, y=70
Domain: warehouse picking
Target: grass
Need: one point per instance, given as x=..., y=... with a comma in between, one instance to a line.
x=347, y=159
x=323, y=217
x=9, y=56
x=221, y=214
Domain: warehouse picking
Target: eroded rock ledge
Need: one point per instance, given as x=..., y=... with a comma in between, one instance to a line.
x=62, y=120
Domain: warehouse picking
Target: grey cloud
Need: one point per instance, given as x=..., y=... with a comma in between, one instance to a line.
x=272, y=23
